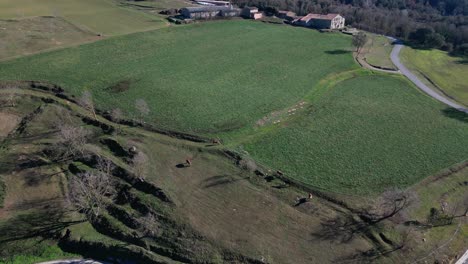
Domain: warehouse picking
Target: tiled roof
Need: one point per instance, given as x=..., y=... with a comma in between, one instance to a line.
x=319, y=16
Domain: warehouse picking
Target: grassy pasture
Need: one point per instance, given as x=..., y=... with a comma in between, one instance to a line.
x=154, y=6
x=30, y=35
x=365, y=134
x=377, y=51
x=203, y=78
x=100, y=16
x=447, y=72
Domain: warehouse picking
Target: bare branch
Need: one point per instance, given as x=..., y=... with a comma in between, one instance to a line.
x=149, y=224
x=142, y=108
x=72, y=140
x=86, y=101
x=89, y=192
x=140, y=161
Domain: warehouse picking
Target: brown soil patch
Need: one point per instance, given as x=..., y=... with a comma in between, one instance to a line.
x=8, y=122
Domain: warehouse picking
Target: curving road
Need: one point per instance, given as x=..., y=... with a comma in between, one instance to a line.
x=394, y=56
x=73, y=261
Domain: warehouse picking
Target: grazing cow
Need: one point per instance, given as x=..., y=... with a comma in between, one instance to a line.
x=280, y=173
x=310, y=196
x=188, y=162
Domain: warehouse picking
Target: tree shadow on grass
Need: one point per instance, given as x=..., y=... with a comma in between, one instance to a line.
x=40, y=223
x=342, y=229
x=222, y=180
x=337, y=52
x=455, y=114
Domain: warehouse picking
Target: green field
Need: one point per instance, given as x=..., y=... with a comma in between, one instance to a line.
x=203, y=78
x=100, y=16
x=305, y=109
x=366, y=134
x=447, y=72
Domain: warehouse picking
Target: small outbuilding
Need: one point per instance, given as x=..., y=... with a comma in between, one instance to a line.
x=207, y=12
x=248, y=11
x=286, y=15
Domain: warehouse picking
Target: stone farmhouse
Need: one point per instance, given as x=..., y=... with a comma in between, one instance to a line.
x=207, y=12
x=318, y=21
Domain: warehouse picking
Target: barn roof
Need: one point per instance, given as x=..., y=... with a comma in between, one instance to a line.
x=286, y=12
x=209, y=9
x=319, y=16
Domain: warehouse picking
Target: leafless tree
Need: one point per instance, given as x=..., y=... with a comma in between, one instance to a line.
x=248, y=164
x=117, y=115
x=10, y=100
x=389, y=204
x=105, y=166
x=86, y=101
x=359, y=40
x=140, y=163
x=142, y=108
x=149, y=224
x=89, y=192
x=71, y=140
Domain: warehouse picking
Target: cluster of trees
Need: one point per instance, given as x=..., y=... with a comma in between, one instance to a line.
x=427, y=23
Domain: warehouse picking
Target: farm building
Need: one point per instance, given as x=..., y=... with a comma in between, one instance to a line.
x=257, y=15
x=207, y=12
x=329, y=21
x=287, y=15
x=248, y=11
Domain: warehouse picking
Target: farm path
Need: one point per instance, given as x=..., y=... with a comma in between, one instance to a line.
x=395, y=57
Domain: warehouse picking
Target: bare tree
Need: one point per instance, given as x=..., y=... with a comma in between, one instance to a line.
x=89, y=192
x=105, y=166
x=140, y=162
x=117, y=115
x=149, y=224
x=86, y=101
x=359, y=40
x=142, y=108
x=10, y=100
x=72, y=140
x=248, y=164
x=390, y=203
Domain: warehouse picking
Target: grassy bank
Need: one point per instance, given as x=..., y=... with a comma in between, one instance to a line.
x=377, y=51
x=446, y=72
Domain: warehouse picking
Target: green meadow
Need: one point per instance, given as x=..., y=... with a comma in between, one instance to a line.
x=350, y=131
x=202, y=78
x=447, y=72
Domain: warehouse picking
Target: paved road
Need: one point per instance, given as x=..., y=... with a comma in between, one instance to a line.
x=396, y=60
x=73, y=261
x=463, y=259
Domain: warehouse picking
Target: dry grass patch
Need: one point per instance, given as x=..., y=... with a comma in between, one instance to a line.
x=8, y=122
x=30, y=35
